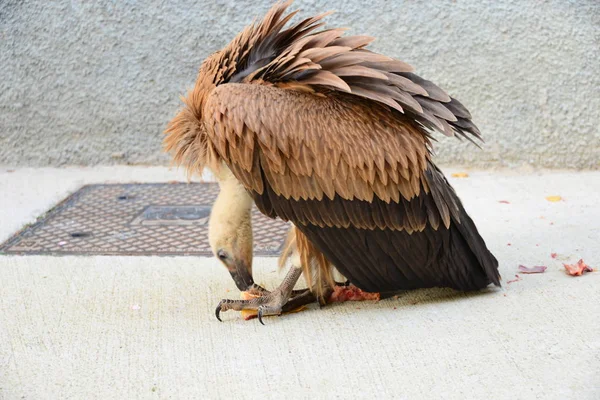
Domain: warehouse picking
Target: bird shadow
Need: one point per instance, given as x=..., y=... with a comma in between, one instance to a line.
x=415, y=297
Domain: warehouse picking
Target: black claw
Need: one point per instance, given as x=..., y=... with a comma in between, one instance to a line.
x=218, y=311
x=260, y=316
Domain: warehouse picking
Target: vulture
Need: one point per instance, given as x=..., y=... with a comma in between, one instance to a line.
x=313, y=128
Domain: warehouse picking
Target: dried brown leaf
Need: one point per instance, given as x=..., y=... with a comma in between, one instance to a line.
x=460, y=175
x=538, y=269
x=578, y=269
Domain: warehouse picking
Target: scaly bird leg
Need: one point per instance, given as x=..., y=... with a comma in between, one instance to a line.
x=270, y=303
x=257, y=290
x=304, y=296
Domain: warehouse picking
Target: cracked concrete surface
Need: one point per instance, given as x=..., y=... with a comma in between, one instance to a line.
x=143, y=327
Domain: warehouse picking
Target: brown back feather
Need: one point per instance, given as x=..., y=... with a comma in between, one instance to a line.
x=327, y=60
x=302, y=58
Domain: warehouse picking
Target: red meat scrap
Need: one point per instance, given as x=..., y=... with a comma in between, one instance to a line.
x=351, y=293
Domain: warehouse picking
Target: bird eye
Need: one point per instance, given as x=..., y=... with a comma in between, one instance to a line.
x=222, y=255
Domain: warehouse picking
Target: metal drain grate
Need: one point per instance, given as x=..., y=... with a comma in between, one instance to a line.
x=136, y=219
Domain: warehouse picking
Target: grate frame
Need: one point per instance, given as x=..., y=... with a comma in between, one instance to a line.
x=147, y=219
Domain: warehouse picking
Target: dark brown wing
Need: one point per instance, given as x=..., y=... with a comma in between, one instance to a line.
x=386, y=260
x=356, y=179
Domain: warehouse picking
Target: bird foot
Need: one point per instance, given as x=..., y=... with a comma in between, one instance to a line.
x=266, y=303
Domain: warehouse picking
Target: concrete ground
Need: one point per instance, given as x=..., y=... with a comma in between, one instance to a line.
x=144, y=327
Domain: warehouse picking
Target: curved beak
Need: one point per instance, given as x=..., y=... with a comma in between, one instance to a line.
x=241, y=275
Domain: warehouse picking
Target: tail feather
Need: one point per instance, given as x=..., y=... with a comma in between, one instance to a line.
x=477, y=245
x=466, y=242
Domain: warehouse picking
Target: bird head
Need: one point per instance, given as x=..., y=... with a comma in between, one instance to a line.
x=230, y=229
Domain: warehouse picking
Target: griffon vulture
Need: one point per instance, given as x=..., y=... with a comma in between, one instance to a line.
x=314, y=128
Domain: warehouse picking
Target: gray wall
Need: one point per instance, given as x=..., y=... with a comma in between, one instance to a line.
x=95, y=82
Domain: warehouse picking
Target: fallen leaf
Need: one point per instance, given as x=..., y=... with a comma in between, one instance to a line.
x=508, y=244
x=554, y=199
x=532, y=270
x=515, y=280
x=460, y=175
x=578, y=269
x=504, y=202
